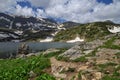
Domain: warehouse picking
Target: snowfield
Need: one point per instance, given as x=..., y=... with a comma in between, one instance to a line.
x=77, y=39
x=114, y=29
x=48, y=39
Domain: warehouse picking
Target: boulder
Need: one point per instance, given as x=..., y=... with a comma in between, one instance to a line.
x=72, y=53
x=23, y=49
x=52, y=50
x=81, y=49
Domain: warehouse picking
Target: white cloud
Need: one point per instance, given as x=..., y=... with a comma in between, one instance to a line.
x=71, y=10
x=84, y=10
x=6, y=5
x=40, y=13
x=25, y=11
x=74, y=10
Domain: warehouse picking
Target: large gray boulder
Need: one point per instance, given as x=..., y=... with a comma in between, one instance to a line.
x=81, y=49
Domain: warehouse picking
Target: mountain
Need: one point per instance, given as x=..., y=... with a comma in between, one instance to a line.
x=69, y=24
x=25, y=23
x=88, y=32
x=27, y=27
x=30, y=28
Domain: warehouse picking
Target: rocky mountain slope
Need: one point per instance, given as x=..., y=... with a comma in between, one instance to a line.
x=30, y=28
x=27, y=27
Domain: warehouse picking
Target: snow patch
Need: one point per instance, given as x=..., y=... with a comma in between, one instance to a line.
x=3, y=35
x=48, y=39
x=53, y=34
x=19, y=32
x=5, y=19
x=77, y=39
x=61, y=27
x=18, y=24
x=114, y=29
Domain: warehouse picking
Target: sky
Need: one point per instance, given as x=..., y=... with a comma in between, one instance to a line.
x=82, y=11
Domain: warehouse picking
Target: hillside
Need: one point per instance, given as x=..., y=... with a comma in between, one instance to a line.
x=89, y=31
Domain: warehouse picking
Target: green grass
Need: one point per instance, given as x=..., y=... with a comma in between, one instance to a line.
x=90, y=32
x=110, y=78
x=118, y=55
x=79, y=75
x=45, y=77
x=107, y=65
x=109, y=44
x=62, y=58
x=81, y=59
x=18, y=69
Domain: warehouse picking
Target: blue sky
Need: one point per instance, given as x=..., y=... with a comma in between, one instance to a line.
x=105, y=1
x=82, y=11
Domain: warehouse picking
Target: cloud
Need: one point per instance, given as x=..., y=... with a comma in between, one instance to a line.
x=24, y=11
x=74, y=10
x=40, y=13
x=71, y=10
x=7, y=5
x=84, y=10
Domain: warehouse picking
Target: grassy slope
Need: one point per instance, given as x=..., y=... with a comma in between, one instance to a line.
x=18, y=69
x=90, y=31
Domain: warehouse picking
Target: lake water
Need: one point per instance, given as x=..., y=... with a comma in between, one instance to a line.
x=7, y=48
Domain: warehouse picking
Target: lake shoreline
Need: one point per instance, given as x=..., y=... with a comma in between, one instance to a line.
x=8, y=49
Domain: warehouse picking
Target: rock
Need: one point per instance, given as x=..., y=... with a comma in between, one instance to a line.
x=31, y=54
x=97, y=75
x=21, y=56
x=82, y=68
x=32, y=74
x=52, y=50
x=117, y=42
x=107, y=56
x=81, y=49
x=73, y=53
x=58, y=75
x=23, y=49
x=83, y=77
x=87, y=51
x=91, y=75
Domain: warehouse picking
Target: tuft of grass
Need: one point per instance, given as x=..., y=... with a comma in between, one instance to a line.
x=81, y=59
x=45, y=77
x=118, y=55
x=109, y=44
x=110, y=78
x=106, y=65
x=62, y=58
x=79, y=75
